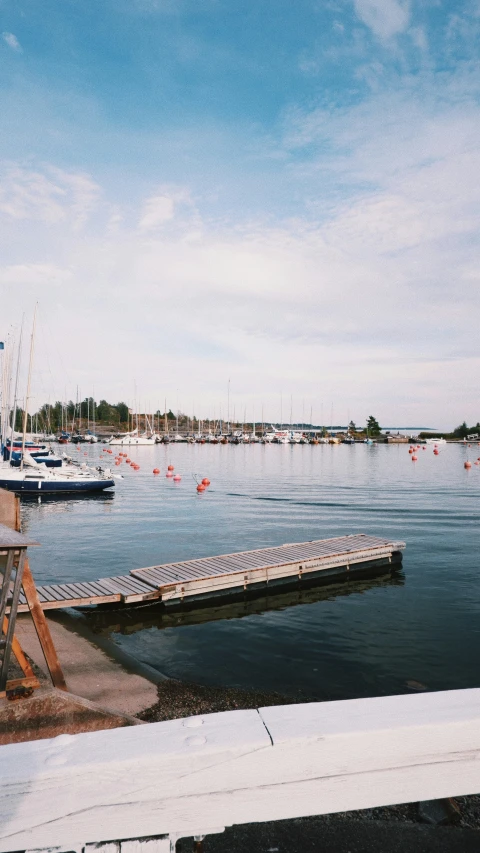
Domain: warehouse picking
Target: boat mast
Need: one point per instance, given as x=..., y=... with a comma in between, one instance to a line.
x=27, y=398
x=228, y=407
x=12, y=432
x=6, y=370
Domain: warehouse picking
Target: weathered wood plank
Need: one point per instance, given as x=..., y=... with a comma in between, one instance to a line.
x=179, y=777
x=42, y=629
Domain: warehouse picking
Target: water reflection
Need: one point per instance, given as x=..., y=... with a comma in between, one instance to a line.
x=130, y=621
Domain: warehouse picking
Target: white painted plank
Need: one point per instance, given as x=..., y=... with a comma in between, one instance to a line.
x=178, y=777
x=87, y=788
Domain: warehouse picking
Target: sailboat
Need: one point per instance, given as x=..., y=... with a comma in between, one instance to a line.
x=35, y=478
x=133, y=438
x=26, y=475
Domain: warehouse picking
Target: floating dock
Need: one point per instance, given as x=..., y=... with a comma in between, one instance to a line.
x=209, y=577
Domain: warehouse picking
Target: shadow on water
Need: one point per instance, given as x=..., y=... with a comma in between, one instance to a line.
x=134, y=619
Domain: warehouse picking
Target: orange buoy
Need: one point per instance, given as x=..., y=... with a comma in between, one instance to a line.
x=156, y=470
x=436, y=452
x=424, y=448
x=201, y=487
x=117, y=462
x=177, y=477
x=78, y=447
x=414, y=458
x=171, y=468
x=410, y=449
x=477, y=462
x=206, y=481
x=128, y=460
x=169, y=474
x=109, y=451
x=467, y=464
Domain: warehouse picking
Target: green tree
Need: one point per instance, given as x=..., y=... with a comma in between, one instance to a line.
x=461, y=431
x=373, y=427
x=352, y=427
x=122, y=410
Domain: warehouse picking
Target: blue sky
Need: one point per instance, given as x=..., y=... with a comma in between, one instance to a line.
x=283, y=194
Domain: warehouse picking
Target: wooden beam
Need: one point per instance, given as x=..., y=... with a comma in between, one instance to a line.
x=190, y=776
x=42, y=629
x=19, y=653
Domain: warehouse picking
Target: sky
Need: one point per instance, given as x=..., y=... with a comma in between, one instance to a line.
x=280, y=198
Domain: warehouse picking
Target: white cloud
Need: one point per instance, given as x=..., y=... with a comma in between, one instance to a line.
x=370, y=302
x=41, y=275
x=386, y=18
x=49, y=196
x=12, y=41
x=83, y=193
x=171, y=204
x=157, y=210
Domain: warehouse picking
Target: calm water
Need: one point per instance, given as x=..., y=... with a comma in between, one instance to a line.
x=342, y=642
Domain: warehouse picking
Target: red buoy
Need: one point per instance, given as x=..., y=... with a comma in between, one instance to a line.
x=117, y=462
x=170, y=468
x=156, y=470
x=128, y=460
x=169, y=474
x=467, y=464
x=201, y=487
x=177, y=477
x=410, y=449
x=436, y=452
x=206, y=481
x=414, y=458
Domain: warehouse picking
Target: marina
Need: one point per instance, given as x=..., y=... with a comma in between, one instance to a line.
x=371, y=641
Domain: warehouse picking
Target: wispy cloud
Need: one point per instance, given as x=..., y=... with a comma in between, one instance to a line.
x=34, y=274
x=12, y=41
x=48, y=196
x=157, y=210
x=386, y=18
x=169, y=205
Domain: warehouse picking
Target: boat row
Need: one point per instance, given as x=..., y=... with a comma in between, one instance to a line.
x=273, y=435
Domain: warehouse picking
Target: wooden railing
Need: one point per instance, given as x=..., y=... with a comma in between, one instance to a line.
x=198, y=775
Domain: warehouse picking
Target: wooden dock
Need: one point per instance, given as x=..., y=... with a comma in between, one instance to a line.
x=208, y=577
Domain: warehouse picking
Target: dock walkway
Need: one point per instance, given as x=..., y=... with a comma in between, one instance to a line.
x=211, y=576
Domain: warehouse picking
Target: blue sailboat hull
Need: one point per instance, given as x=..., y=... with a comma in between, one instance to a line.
x=43, y=487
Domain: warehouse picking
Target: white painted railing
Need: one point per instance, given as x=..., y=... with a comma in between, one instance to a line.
x=197, y=775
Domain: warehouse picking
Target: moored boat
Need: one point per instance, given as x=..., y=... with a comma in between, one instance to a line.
x=36, y=478
x=133, y=439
